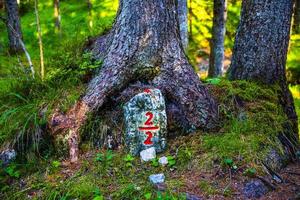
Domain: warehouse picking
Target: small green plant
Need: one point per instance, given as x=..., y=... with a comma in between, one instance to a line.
x=12, y=172
x=97, y=194
x=105, y=158
x=128, y=160
x=251, y=172
x=171, y=161
x=55, y=164
x=154, y=162
x=109, y=156
x=99, y=157
x=148, y=195
x=229, y=162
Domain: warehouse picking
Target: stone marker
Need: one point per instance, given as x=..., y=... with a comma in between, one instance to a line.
x=146, y=121
x=148, y=154
x=157, y=178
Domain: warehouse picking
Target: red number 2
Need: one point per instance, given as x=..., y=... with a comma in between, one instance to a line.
x=148, y=141
x=150, y=118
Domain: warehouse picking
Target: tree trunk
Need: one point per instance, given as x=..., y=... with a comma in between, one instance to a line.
x=13, y=19
x=90, y=17
x=143, y=46
x=36, y=8
x=218, y=36
x=22, y=45
x=191, y=20
x=296, y=25
x=182, y=10
x=260, y=50
x=57, y=16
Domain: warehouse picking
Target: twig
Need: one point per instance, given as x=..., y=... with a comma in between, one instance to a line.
x=270, y=185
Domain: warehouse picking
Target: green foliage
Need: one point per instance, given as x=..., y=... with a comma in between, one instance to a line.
x=55, y=164
x=105, y=158
x=184, y=156
x=155, y=162
x=12, y=171
x=251, y=172
x=213, y=81
x=171, y=161
x=128, y=160
x=98, y=195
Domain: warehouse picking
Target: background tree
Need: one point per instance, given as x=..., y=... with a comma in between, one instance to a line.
x=260, y=50
x=141, y=54
x=182, y=10
x=38, y=25
x=218, y=36
x=13, y=20
x=296, y=25
x=190, y=20
x=57, y=16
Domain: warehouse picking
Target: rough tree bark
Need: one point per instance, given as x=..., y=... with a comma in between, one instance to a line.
x=143, y=46
x=13, y=19
x=218, y=36
x=182, y=10
x=260, y=50
x=57, y=16
x=296, y=25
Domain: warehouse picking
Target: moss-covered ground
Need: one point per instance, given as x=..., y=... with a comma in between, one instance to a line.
x=251, y=121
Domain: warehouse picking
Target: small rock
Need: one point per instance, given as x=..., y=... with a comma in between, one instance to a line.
x=163, y=160
x=160, y=186
x=192, y=197
x=157, y=178
x=148, y=154
x=275, y=160
x=7, y=156
x=242, y=116
x=255, y=189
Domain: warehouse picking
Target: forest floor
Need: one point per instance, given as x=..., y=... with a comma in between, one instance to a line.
x=215, y=165
x=117, y=177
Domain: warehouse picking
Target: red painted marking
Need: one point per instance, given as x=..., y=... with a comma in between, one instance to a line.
x=150, y=118
x=148, y=128
x=148, y=140
x=147, y=90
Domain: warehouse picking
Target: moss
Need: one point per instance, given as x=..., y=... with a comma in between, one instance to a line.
x=207, y=188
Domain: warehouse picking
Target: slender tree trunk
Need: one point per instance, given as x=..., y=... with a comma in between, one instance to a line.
x=296, y=25
x=191, y=20
x=57, y=16
x=22, y=46
x=40, y=38
x=14, y=20
x=218, y=36
x=148, y=52
x=90, y=17
x=182, y=10
x=260, y=50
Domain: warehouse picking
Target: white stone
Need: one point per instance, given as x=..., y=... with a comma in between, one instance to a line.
x=148, y=154
x=157, y=178
x=163, y=160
